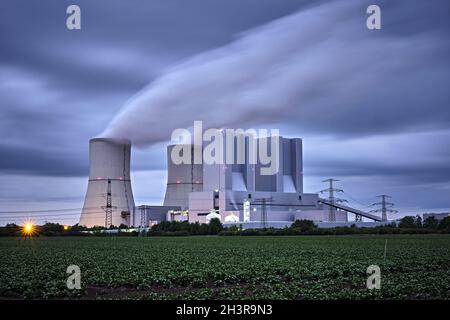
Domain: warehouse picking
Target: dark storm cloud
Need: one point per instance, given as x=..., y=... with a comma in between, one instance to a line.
x=160, y=31
x=28, y=160
x=416, y=103
x=63, y=86
x=438, y=173
x=412, y=167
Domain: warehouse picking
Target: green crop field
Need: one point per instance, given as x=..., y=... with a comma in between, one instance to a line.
x=302, y=267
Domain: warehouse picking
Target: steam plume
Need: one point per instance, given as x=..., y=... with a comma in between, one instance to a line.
x=315, y=61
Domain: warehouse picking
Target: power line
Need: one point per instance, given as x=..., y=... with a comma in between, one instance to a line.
x=90, y=212
x=353, y=199
x=42, y=211
x=37, y=211
x=50, y=210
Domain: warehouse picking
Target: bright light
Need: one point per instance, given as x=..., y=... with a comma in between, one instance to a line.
x=28, y=229
x=66, y=227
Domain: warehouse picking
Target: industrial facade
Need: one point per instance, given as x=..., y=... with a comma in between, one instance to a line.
x=241, y=190
x=237, y=193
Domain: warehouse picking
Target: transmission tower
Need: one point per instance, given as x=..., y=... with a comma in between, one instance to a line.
x=264, y=202
x=143, y=217
x=108, y=208
x=331, y=198
x=385, y=207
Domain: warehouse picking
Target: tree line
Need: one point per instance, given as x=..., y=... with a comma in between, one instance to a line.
x=406, y=225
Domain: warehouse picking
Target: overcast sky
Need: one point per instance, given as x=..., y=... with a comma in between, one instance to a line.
x=59, y=88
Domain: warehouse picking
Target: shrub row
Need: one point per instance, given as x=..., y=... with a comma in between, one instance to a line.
x=407, y=225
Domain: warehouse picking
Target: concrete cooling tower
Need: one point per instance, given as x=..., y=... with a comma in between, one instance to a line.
x=109, y=198
x=182, y=179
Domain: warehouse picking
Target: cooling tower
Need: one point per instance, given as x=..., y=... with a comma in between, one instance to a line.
x=109, y=198
x=181, y=180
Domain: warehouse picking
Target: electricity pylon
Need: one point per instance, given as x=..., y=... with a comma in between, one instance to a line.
x=109, y=207
x=143, y=216
x=264, y=202
x=385, y=207
x=331, y=198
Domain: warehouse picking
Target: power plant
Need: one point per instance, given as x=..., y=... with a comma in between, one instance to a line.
x=109, y=197
x=237, y=194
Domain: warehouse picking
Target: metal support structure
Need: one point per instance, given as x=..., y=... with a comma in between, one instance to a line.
x=108, y=208
x=385, y=207
x=351, y=210
x=125, y=183
x=143, y=216
x=332, y=199
x=264, y=214
x=264, y=202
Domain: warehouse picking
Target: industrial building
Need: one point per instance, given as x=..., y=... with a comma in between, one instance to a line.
x=240, y=194
x=236, y=193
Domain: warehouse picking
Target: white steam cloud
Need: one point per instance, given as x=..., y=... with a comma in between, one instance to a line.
x=314, y=62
